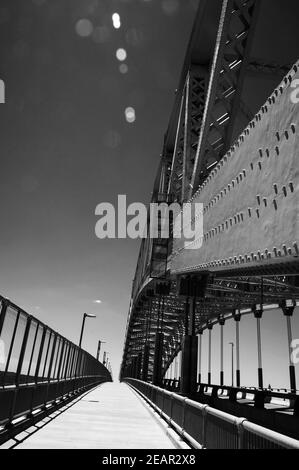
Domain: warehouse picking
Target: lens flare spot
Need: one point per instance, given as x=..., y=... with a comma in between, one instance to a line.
x=116, y=21
x=130, y=115
x=170, y=7
x=84, y=28
x=121, y=54
x=123, y=68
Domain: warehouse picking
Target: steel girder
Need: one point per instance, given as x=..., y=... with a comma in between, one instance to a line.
x=231, y=59
x=188, y=129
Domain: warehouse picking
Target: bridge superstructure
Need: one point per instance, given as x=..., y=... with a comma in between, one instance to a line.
x=231, y=145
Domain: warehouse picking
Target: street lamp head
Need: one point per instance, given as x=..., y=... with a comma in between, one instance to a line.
x=90, y=315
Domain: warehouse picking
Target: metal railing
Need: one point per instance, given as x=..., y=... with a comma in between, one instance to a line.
x=259, y=398
x=206, y=427
x=38, y=367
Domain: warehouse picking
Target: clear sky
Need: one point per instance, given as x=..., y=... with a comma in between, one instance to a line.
x=66, y=147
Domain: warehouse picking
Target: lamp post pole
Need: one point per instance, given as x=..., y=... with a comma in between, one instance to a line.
x=99, y=348
x=89, y=315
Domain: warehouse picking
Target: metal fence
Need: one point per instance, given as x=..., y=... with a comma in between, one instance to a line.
x=258, y=398
x=38, y=366
x=206, y=427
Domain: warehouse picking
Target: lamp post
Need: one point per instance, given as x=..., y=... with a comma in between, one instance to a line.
x=99, y=348
x=232, y=345
x=89, y=315
x=105, y=358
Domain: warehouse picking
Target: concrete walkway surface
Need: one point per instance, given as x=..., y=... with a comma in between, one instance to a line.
x=108, y=417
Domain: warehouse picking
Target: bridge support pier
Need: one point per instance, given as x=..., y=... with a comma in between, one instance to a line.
x=189, y=365
x=191, y=288
x=157, y=371
x=258, y=313
x=189, y=351
x=237, y=318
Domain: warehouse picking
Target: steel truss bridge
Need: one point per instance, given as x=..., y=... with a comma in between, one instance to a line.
x=232, y=145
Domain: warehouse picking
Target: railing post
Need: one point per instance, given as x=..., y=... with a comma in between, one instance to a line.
x=23, y=349
x=20, y=364
x=171, y=407
x=240, y=430
x=204, y=426
x=2, y=314
x=50, y=366
x=184, y=416
x=39, y=358
x=12, y=343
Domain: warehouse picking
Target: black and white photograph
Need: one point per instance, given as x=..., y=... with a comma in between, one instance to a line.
x=149, y=241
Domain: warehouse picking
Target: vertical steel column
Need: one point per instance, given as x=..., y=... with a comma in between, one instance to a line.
x=258, y=313
x=210, y=328
x=189, y=351
x=288, y=308
x=146, y=354
x=237, y=318
x=2, y=314
x=176, y=367
x=157, y=370
x=40, y=353
x=19, y=366
x=23, y=350
x=221, y=323
x=138, y=366
x=171, y=371
x=199, y=355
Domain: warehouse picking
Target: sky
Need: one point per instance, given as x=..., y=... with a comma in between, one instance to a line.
x=66, y=147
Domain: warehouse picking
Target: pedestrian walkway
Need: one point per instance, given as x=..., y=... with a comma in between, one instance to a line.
x=111, y=416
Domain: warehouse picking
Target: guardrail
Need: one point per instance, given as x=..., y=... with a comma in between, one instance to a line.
x=259, y=397
x=206, y=427
x=38, y=367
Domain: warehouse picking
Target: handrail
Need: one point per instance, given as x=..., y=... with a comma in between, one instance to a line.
x=207, y=427
x=260, y=396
